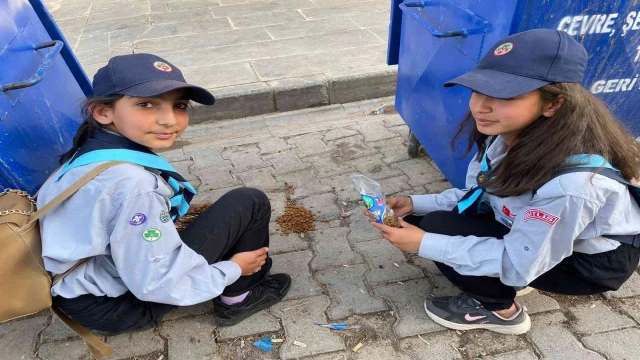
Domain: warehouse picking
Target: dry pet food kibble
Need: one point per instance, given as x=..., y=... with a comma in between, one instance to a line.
x=296, y=219
x=374, y=200
x=194, y=211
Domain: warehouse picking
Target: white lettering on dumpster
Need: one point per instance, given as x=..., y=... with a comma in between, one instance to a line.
x=588, y=24
x=614, y=85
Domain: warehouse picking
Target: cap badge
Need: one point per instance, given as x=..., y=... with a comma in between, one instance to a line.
x=162, y=66
x=503, y=49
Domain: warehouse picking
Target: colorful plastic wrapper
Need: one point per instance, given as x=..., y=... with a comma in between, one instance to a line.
x=263, y=344
x=339, y=326
x=374, y=200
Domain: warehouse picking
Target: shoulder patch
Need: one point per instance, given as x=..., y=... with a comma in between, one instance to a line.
x=138, y=219
x=164, y=216
x=151, y=235
x=545, y=217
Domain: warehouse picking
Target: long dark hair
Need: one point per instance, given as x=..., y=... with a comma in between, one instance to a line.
x=582, y=125
x=89, y=125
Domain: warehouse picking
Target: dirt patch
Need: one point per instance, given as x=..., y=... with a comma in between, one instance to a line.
x=233, y=349
x=373, y=327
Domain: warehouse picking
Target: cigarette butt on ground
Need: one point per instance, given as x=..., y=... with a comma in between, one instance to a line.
x=277, y=340
x=357, y=347
x=298, y=343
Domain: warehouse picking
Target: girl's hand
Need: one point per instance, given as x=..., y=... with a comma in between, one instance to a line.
x=406, y=238
x=401, y=206
x=250, y=261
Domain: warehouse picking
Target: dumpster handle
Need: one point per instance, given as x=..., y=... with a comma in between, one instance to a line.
x=42, y=70
x=442, y=34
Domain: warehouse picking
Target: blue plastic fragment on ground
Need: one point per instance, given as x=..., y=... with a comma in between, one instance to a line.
x=263, y=344
x=339, y=326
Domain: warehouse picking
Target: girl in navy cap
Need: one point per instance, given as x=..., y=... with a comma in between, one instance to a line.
x=134, y=265
x=546, y=205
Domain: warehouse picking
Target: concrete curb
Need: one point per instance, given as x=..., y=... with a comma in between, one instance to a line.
x=297, y=93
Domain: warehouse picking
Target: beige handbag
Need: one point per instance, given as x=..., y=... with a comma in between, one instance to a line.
x=24, y=283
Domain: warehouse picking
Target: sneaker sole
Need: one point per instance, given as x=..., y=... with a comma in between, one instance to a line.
x=519, y=329
x=236, y=320
x=524, y=291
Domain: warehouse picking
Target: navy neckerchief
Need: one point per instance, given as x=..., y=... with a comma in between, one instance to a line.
x=103, y=146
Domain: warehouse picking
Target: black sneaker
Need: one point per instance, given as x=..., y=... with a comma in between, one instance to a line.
x=270, y=291
x=462, y=312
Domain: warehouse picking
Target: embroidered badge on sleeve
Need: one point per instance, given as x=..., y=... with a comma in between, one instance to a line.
x=545, y=217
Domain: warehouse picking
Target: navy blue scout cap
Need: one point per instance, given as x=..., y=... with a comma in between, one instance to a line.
x=144, y=75
x=524, y=62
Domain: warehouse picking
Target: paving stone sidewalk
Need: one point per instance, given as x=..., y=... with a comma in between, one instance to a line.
x=344, y=272
x=256, y=56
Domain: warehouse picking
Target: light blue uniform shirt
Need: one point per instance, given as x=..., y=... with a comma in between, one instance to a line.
x=103, y=220
x=569, y=213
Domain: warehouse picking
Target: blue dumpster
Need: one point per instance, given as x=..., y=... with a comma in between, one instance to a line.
x=435, y=41
x=42, y=86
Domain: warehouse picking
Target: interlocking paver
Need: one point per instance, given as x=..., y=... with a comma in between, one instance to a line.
x=188, y=311
x=309, y=144
x=351, y=148
x=64, y=350
x=598, y=317
x=298, y=324
x=286, y=162
x=394, y=149
x=190, y=338
x=387, y=262
x=361, y=228
x=516, y=355
x=328, y=165
x=556, y=342
x=18, y=338
x=348, y=293
x=374, y=168
x=420, y=171
x=631, y=307
x=408, y=302
x=616, y=345
x=259, y=323
x=279, y=243
x=382, y=350
x=297, y=265
x=273, y=145
x=535, y=302
x=304, y=184
x=628, y=289
x=262, y=179
x=373, y=130
x=439, y=346
x=323, y=206
x=245, y=158
x=135, y=344
x=332, y=249
x=340, y=133
x=343, y=186
x=484, y=342
x=219, y=177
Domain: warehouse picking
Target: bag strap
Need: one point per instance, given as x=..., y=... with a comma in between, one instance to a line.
x=73, y=189
x=99, y=349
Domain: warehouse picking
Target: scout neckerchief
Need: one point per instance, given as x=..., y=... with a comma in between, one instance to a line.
x=470, y=203
x=104, y=146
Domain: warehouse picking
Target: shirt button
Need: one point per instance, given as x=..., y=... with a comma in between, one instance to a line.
x=526, y=248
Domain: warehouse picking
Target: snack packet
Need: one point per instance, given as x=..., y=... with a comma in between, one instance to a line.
x=374, y=200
